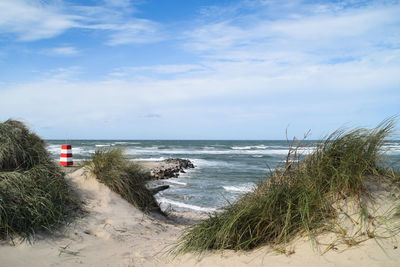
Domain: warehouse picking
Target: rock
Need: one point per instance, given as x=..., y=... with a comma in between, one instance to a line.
x=170, y=168
x=157, y=189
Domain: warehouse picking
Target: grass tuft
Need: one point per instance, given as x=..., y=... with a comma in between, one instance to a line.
x=299, y=198
x=33, y=193
x=123, y=177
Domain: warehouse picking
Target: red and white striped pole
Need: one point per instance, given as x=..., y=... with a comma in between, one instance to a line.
x=66, y=155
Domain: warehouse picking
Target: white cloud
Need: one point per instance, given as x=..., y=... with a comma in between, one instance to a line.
x=174, y=68
x=158, y=69
x=32, y=20
x=238, y=79
x=137, y=31
x=321, y=36
x=234, y=92
x=62, y=51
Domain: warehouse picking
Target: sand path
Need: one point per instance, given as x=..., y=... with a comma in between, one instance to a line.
x=114, y=233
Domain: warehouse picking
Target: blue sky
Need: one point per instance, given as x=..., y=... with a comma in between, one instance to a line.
x=120, y=69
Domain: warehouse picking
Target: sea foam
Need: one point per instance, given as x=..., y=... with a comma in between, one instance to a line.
x=244, y=188
x=175, y=182
x=164, y=203
x=156, y=150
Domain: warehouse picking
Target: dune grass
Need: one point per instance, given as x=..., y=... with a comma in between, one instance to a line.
x=299, y=198
x=123, y=177
x=33, y=193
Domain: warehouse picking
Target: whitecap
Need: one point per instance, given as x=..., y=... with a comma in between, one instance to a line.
x=208, y=147
x=152, y=151
x=244, y=188
x=251, y=147
x=175, y=182
x=391, y=148
x=54, y=149
x=126, y=143
x=262, y=147
x=241, y=147
x=164, y=203
x=81, y=151
x=199, y=163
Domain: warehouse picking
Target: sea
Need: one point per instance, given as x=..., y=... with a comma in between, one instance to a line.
x=224, y=170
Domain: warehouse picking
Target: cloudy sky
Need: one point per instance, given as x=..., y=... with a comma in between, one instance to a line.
x=173, y=69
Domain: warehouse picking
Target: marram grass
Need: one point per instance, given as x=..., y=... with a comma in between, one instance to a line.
x=33, y=193
x=298, y=198
x=20, y=149
x=123, y=177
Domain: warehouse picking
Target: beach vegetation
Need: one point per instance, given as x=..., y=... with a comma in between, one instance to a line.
x=307, y=196
x=33, y=192
x=122, y=176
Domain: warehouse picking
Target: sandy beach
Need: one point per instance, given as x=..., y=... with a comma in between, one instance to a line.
x=199, y=133
x=114, y=233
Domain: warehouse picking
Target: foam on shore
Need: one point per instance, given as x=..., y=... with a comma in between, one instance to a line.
x=166, y=203
x=244, y=188
x=171, y=181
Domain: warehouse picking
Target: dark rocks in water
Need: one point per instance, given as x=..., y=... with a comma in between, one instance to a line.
x=157, y=189
x=170, y=168
x=183, y=163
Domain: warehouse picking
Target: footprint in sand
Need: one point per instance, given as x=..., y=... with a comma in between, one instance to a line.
x=98, y=233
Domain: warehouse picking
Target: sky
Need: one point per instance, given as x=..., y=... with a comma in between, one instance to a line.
x=198, y=69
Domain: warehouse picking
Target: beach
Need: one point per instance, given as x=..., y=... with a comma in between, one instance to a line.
x=199, y=133
x=114, y=233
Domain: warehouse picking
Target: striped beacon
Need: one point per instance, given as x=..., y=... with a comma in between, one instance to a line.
x=66, y=155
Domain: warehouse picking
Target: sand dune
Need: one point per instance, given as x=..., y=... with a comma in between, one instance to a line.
x=114, y=233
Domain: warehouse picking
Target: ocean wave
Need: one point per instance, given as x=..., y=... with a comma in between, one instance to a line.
x=174, y=182
x=253, y=147
x=164, y=203
x=244, y=188
x=241, y=147
x=56, y=150
x=188, y=173
x=82, y=151
x=199, y=163
x=127, y=143
x=153, y=151
x=209, y=147
x=391, y=148
x=106, y=145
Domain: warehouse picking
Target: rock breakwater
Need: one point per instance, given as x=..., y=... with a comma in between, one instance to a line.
x=170, y=168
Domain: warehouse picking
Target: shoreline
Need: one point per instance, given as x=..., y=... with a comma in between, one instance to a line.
x=114, y=233
x=169, y=168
